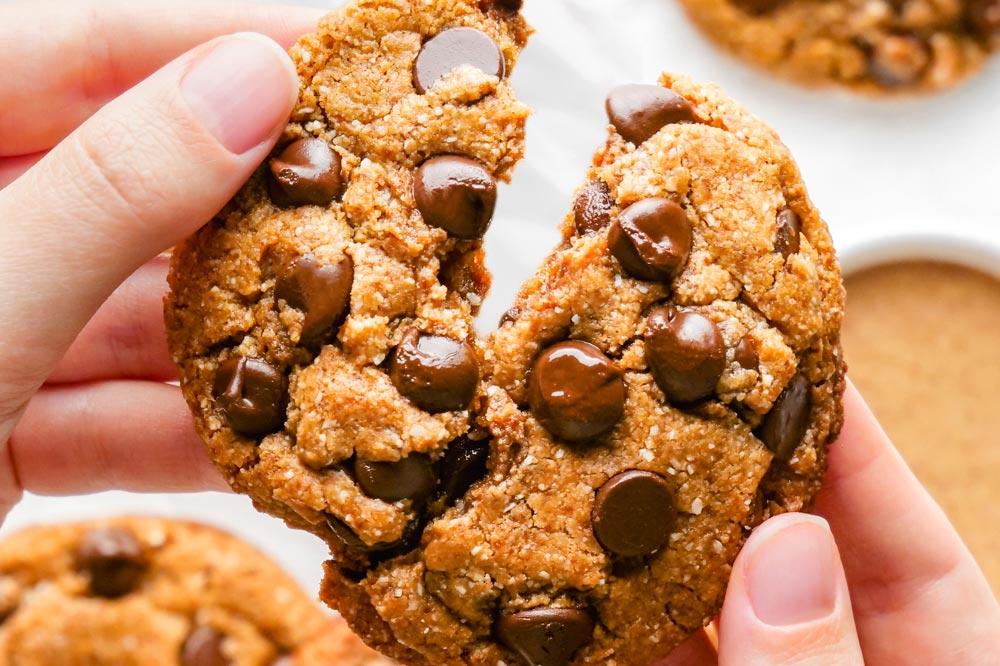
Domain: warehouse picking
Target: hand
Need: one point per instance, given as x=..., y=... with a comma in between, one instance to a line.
x=96, y=182
x=918, y=596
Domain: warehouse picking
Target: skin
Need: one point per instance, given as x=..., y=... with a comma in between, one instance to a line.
x=113, y=147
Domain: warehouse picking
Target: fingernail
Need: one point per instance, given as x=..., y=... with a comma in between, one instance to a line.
x=792, y=575
x=241, y=90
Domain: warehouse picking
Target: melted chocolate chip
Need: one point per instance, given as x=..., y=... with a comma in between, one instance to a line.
x=351, y=542
x=787, y=239
x=438, y=374
x=321, y=292
x=745, y=353
x=639, y=111
x=203, y=647
x=634, y=514
x=410, y=478
x=786, y=424
x=307, y=172
x=452, y=48
x=114, y=559
x=546, y=636
x=252, y=395
x=576, y=392
x=651, y=239
x=456, y=194
x=685, y=352
x=983, y=17
x=592, y=209
x=464, y=463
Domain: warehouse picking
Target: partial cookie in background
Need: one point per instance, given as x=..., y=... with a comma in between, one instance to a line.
x=137, y=591
x=322, y=324
x=882, y=46
x=668, y=379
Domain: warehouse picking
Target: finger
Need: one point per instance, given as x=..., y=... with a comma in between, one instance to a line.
x=73, y=57
x=907, y=566
x=12, y=168
x=135, y=179
x=87, y=438
x=787, y=602
x=695, y=651
x=126, y=338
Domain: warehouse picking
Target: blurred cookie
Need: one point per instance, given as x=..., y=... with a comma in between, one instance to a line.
x=668, y=379
x=871, y=45
x=149, y=592
x=322, y=323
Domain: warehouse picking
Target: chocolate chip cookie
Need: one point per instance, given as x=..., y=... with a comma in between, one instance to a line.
x=322, y=323
x=873, y=45
x=669, y=378
x=146, y=591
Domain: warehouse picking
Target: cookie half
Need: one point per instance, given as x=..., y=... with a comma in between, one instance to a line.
x=147, y=591
x=871, y=45
x=669, y=378
x=322, y=324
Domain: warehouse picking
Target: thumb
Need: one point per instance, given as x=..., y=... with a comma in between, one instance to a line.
x=787, y=603
x=144, y=172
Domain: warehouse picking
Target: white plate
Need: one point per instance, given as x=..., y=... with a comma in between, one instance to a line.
x=917, y=177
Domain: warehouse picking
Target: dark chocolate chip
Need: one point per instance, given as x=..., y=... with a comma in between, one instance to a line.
x=510, y=316
x=452, y=48
x=685, y=352
x=456, y=194
x=546, y=636
x=438, y=374
x=203, y=647
x=639, y=111
x=114, y=559
x=505, y=7
x=592, y=209
x=757, y=7
x=746, y=354
x=351, y=542
x=786, y=424
x=652, y=239
x=307, y=172
x=252, y=394
x=464, y=463
x=634, y=514
x=788, y=238
x=983, y=17
x=321, y=292
x=410, y=478
x=897, y=60
x=576, y=392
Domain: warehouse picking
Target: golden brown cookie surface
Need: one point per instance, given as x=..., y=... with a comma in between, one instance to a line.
x=149, y=591
x=871, y=45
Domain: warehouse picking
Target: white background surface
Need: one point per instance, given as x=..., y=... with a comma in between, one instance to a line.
x=926, y=168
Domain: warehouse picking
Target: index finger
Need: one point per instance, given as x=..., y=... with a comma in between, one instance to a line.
x=64, y=60
x=914, y=584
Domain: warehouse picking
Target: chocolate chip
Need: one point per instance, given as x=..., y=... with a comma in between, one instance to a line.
x=203, y=647
x=787, y=240
x=252, y=395
x=307, y=172
x=546, y=636
x=114, y=559
x=983, y=17
x=634, y=514
x=410, y=478
x=450, y=49
x=685, y=352
x=464, y=463
x=651, y=239
x=759, y=6
x=438, y=374
x=456, y=194
x=321, y=291
x=746, y=355
x=506, y=7
x=786, y=424
x=639, y=111
x=576, y=392
x=351, y=542
x=510, y=316
x=592, y=209
x=898, y=60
